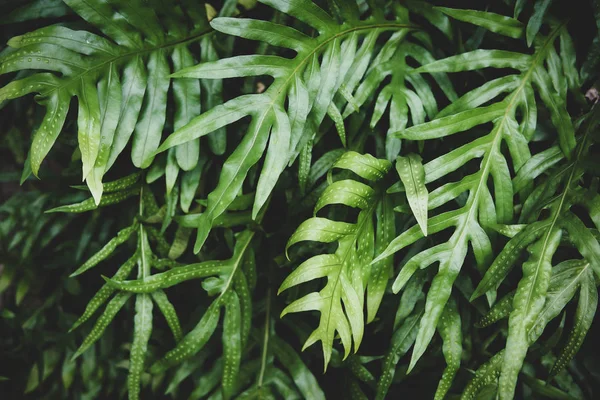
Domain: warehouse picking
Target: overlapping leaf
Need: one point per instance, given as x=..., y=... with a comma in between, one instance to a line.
x=538, y=298
x=224, y=278
x=329, y=63
x=121, y=80
x=513, y=120
x=348, y=271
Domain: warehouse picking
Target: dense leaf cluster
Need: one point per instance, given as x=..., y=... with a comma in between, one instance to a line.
x=413, y=186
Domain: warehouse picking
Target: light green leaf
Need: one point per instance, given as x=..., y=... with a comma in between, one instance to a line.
x=452, y=124
x=274, y=34
x=148, y=129
x=402, y=340
x=109, y=94
x=478, y=59
x=276, y=159
x=491, y=21
x=451, y=333
x=364, y=165
x=584, y=316
x=411, y=172
x=528, y=303
x=347, y=192
x=233, y=173
x=172, y=277
x=186, y=93
x=107, y=250
x=292, y=362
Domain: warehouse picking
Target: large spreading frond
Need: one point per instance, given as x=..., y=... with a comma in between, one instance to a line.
x=544, y=290
x=317, y=81
x=120, y=79
x=508, y=104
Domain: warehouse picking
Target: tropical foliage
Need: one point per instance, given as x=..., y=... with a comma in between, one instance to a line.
x=412, y=185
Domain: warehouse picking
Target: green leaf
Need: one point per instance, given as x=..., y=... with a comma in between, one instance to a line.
x=450, y=125
x=47, y=133
x=232, y=344
x=500, y=310
x=109, y=91
x=190, y=182
x=380, y=271
x=119, y=76
x=112, y=308
x=192, y=342
x=433, y=15
x=491, y=21
x=558, y=112
x=347, y=192
x=105, y=292
x=402, y=340
x=275, y=160
x=536, y=19
x=508, y=256
x=233, y=173
x=304, y=162
x=478, y=59
x=481, y=95
x=486, y=374
x=300, y=373
x=89, y=204
x=529, y=301
x=168, y=312
x=309, y=82
x=187, y=100
x=411, y=172
x=148, y=130
x=451, y=333
x=341, y=301
x=134, y=84
x=142, y=329
x=363, y=165
x=35, y=10
x=172, y=277
x=107, y=250
x=584, y=316
x=566, y=278
x=273, y=34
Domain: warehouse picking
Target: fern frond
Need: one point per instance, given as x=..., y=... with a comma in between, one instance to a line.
x=514, y=119
x=121, y=80
x=348, y=273
x=331, y=62
x=544, y=291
